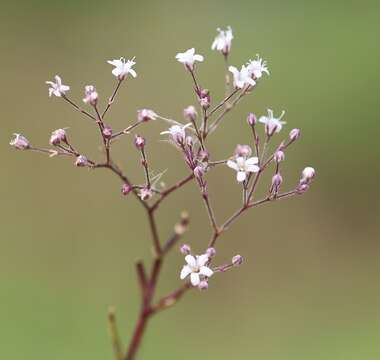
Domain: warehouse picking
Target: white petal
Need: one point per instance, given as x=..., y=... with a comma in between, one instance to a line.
x=132, y=72
x=263, y=119
x=252, y=161
x=190, y=259
x=198, y=57
x=186, y=270
x=241, y=175
x=232, y=165
x=204, y=270
x=202, y=260
x=253, y=168
x=234, y=70
x=116, y=71
x=195, y=280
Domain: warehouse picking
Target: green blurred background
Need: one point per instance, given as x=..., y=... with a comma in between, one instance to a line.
x=309, y=288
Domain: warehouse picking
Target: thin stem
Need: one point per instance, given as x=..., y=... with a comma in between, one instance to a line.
x=217, y=107
x=210, y=211
x=179, y=229
x=72, y=103
x=114, y=334
x=146, y=168
x=126, y=130
x=112, y=98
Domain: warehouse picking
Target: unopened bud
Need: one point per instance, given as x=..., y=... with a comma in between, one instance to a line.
x=307, y=175
x=205, y=99
x=126, y=189
x=57, y=136
x=198, y=172
x=107, y=132
x=91, y=96
x=146, y=115
x=203, y=155
x=279, y=156
x=210, y=252
x=294, y=134
x=203, y=285
x=276, y=183
x=302, y=188
x=145, y=194
x=251, y=119
x=139, y=142
x=237, y=260
x=189, y=141
x=81, y=161
x=185, y=249
x=243, y=151
x=20, y=142
x=190, y=113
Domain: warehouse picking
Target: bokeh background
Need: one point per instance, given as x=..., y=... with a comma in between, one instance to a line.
x=309, y=287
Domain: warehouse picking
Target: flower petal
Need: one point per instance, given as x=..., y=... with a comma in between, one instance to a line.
x=206, y=271
x=202, y=260
x=190, y=259
x=232, y=165
x=195, y=280
x=241, y=175
x=252, y=161
x=186, y=270
x=253, y=168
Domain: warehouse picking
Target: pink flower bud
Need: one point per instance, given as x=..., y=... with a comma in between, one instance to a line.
x=57, y=136
x=302, y=188
x=243, y=151
x=139, y=142
x=190, y=113
x=251, y=119
x=204, y=99
x=126, y=189
x=279, y=156
x=91, y=96
x=145, y=194
x=189, y=141
x=107, y=132
x=211, y=252
x=276, y=183
x=198, y=172
x=203, y=285
x=20, y=142
x=237, y=260
x=203, y=155
x=146, y=115
x=185, y=249
x=294, y=134
x=81, y=161
x=307, y=175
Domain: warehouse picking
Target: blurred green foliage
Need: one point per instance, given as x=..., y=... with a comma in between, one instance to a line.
x=309, y=286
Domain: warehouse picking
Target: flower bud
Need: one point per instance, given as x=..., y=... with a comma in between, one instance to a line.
x=81, y=161
x=279, y=156
x=203, y=155
x=145, y=194
x=276, y=183
x=237, y=260
x=243, y=151
x=126, y=189
x=302, y=188
x=294, y=134
x=198, y=172
x=57, y=136
x=307, y=175
x=146, y=115
x=139, y=142
x=205, y=99
x=185, y=249
x=190, y=113
x=20, y=142
x=91, y=96
x=251, y=119
x=107, y=132
x=203, y=285
x=189, y=141
x=210, y=252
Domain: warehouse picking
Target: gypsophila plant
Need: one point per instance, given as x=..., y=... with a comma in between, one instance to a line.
x=191, y=141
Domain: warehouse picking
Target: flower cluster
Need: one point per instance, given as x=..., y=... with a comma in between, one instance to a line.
x=191, y=139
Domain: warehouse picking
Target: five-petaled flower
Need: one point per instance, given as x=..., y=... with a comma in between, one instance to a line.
x=177, y=133
x=272, y=124
x=242, y=77
x=223, y=41
x=196, y=268
x=257, y=67
x=188, y=58
x=57, y=88
x=243, y=166
x=123, y=68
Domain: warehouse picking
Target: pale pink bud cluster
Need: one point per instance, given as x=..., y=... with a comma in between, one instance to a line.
x=57, y=137
x=139, y=142
x=243, y=151
x=126, y=189
x=307, y=176
x=91, y=95
x=251, y=119
x=145, y=115
x=20, y=142
x=145, y=194
x=185, y=249
x=190, y=113
x=81, y=161
x=279, y=156
x=107, y=132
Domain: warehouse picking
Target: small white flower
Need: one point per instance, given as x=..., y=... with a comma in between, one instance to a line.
x=196, y=268
x=123, y=68
x=242, y=77
x=307, y=174
x=57, y=88
x=188, y=58
x=272, y=124
x=223, y=41
x=243, y=166
x=177, y=133
x=257, y=67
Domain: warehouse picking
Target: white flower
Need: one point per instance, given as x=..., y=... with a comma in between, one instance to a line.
x=196, y=268
x=188, y=58
x=307, y=175
x=122, y=68
x=242, y=77
x=177, y=133
x=272, y=124
x=223, y=41
x=257, y=67
x=243, y=166
x=57, y=88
